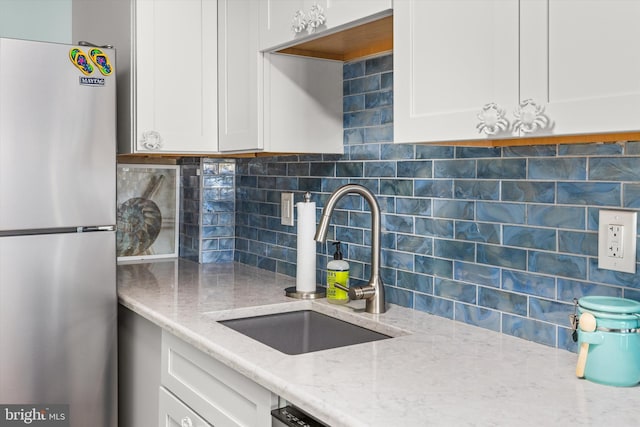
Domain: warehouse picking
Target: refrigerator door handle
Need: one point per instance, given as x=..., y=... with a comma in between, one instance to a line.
x=90, y=44
x=96, y=228
x=61, y=230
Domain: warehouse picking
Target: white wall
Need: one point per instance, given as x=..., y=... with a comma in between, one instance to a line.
x=45, y=20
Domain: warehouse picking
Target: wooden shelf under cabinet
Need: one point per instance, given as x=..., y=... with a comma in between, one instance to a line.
x=363, y=40
x=545, y=140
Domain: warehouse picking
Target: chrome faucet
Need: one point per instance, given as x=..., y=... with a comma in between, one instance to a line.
x=373, y=292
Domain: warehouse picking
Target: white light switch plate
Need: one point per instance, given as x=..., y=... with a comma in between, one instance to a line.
x=617, y=232
x=286, y=208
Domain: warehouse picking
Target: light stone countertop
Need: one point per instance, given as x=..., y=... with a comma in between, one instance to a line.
x=437, y=372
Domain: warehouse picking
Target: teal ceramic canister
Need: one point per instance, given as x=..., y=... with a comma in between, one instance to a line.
x=614, y=347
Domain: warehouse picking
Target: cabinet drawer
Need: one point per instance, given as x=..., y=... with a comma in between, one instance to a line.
x=175, y=413
x=218, y=393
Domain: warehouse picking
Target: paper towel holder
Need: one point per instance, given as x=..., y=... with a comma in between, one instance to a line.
x=319, y=291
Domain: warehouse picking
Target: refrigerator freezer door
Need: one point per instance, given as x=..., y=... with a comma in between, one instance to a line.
x=57, y=139
x=58, y=309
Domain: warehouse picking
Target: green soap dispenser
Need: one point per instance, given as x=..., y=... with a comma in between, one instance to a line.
x=337, y=272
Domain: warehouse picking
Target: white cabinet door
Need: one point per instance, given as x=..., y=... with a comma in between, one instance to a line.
x=551, y=67
x=176, y=76
x=303, y=105
x=240, y=85
x=451, y=58
x=174, y=413
x=277, y=17
x=219, y=394
x=580, y=60
x=270, y=102
x=276, y=22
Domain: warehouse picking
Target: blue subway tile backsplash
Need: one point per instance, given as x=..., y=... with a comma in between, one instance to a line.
x=501, y=238
x=190, y=207
x=558, y=168
x=208, y=210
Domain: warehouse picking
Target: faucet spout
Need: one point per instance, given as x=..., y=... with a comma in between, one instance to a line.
x=373, y=292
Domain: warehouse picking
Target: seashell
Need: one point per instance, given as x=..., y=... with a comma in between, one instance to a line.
x=139, y=223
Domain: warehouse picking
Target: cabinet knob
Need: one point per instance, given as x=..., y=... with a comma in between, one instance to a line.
x=151, y=140
x=316, y=18
x=311, y=21
x=492, y=119
x=530, y=117
x=299, y=22
x=186, y=422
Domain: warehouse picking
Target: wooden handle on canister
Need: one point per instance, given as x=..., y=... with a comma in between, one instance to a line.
x=587, y=323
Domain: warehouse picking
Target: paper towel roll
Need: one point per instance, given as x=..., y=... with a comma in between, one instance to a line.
x=306, y=257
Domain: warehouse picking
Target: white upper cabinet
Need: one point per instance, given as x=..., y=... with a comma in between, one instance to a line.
x=450, y=59
x=286, y=21
x=239, y=76
x=166, y=65
x=302, y=105
x=176, y=76
x=481, y=69
x=580, y=60
x=271, y=102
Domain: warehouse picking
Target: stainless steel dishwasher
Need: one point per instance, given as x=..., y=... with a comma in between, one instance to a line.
x=290, y=416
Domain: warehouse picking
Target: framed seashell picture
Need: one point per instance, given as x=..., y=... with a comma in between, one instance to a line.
x=147, y=211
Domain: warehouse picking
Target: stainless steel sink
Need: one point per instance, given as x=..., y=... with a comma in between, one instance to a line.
x=303, y=331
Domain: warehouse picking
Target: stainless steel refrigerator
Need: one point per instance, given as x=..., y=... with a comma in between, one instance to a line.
x=58, y=299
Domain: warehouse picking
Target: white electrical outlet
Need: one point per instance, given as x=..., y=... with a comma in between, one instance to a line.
x=614, y=240
x=617, y=240
x=286, y=208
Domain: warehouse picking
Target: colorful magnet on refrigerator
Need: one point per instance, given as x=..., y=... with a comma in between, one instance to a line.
x=80, y=60
x=101, y=60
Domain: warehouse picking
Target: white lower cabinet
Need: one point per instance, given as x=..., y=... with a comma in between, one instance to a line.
x=165, y=381
x=175, y=413
x=220, y=395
